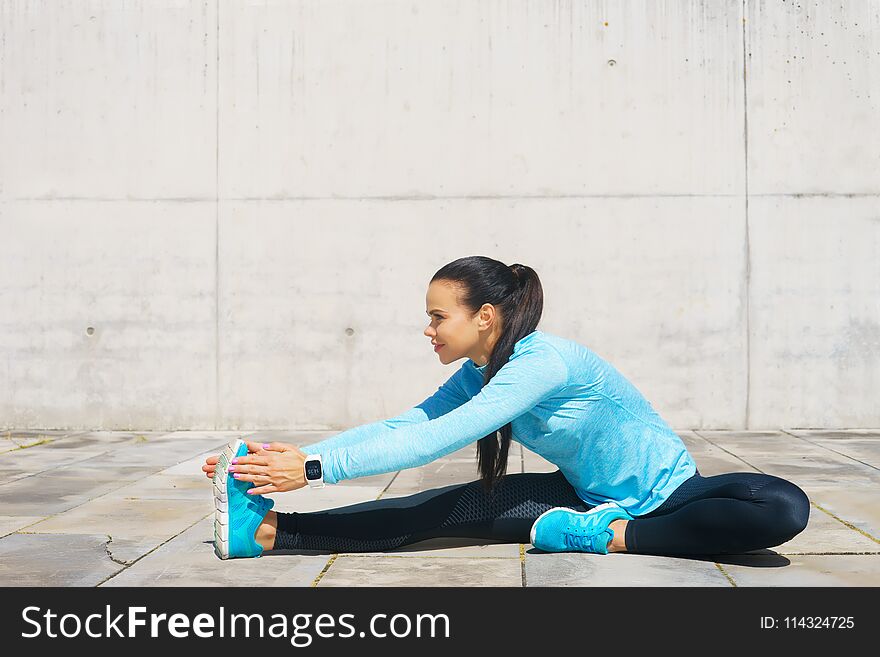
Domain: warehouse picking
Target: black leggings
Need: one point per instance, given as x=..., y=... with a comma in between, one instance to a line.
x=722, y=514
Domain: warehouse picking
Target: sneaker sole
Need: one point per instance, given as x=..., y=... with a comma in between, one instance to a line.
x=604, y=505
x=221, y=500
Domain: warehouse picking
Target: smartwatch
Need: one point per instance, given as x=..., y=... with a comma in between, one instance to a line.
x=314, y=471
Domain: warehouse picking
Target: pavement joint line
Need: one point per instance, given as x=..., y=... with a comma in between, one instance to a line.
x=736, y=456
x=839, y=519
x=853, y=458
x=94, y=456
x=92, y=499
x=80, y=462
x=54, y=467
x=324, y=571
x=19, y=530
x=385, y=490
x=333, y=558
x=726, y=574
x=848, y=524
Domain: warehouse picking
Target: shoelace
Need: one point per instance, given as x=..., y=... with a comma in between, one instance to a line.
x=584, y=542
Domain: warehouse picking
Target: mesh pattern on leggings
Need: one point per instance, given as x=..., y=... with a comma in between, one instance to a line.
x=463, y=510
x=516, y=496
x=299, y=541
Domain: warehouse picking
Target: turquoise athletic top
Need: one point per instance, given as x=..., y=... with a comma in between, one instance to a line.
x=564, y=402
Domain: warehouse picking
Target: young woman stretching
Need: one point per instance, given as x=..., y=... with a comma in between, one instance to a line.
x=626, y=482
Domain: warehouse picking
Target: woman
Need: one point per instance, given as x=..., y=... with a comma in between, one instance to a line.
x=625, y=482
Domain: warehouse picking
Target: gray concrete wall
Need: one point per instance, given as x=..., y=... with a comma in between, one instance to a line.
x=224, y=215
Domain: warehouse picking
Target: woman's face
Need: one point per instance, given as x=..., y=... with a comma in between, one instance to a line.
x=452, y=326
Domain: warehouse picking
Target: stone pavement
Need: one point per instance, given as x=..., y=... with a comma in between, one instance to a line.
x=134, y=509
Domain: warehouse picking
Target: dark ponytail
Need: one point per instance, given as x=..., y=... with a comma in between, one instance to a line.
x=517, y=293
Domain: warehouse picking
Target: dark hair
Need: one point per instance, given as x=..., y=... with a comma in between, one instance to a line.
x=516, y=291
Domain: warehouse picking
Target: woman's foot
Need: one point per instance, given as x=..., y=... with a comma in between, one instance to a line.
x=618, y=544
x=265, y=534
x=561, y=529
x=238, y=516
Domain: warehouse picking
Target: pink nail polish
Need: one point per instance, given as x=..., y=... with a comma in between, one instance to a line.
x=235, y=460
x=265, y=445
x=235, y=475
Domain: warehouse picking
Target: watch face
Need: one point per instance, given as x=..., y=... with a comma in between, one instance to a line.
x=313, y=470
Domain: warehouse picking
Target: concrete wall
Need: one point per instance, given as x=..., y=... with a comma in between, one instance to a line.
x=225, y=214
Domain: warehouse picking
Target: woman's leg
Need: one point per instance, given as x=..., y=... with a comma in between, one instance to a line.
x=728, y=513
x=460, y=510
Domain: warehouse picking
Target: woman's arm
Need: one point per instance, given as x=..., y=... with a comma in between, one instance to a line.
x=450, y=395
x=530, y=376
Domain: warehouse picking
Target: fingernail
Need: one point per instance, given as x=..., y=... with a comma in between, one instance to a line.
x=235, y=475
x=265, y=445
x=235, y=460
x=231, y=469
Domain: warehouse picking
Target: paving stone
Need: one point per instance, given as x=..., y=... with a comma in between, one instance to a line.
x=618, y=569
x=331, y=496
x=101, y=439
x=287, y=436
x=755, y=438
x=35, y=460
x=824, y=533
x=214, y=436
x=807, y=570
x=160, y=453
x=754, y=442
x=380, y=481
x=33, y=560
x=189, y=560
x=9, y=524
x=810, y=471
x=12, y=440
x=456, y=468
x=421, y=571
x=711, y=459
x=858, y=506
x=533, y=462
x=49, y=493
x=833, y=434
x=7, y=475
x=800, y=461
x=162, y=486
x=136, y=526
x=192, y=465
x=865, y=448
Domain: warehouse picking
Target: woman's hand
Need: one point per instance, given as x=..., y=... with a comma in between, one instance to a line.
x=273, y=468
x=210, y=466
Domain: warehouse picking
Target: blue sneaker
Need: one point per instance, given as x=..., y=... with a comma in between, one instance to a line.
x=237, y=514
x=564, y=530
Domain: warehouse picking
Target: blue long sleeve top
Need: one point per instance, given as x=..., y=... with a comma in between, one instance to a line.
x=563, y=401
